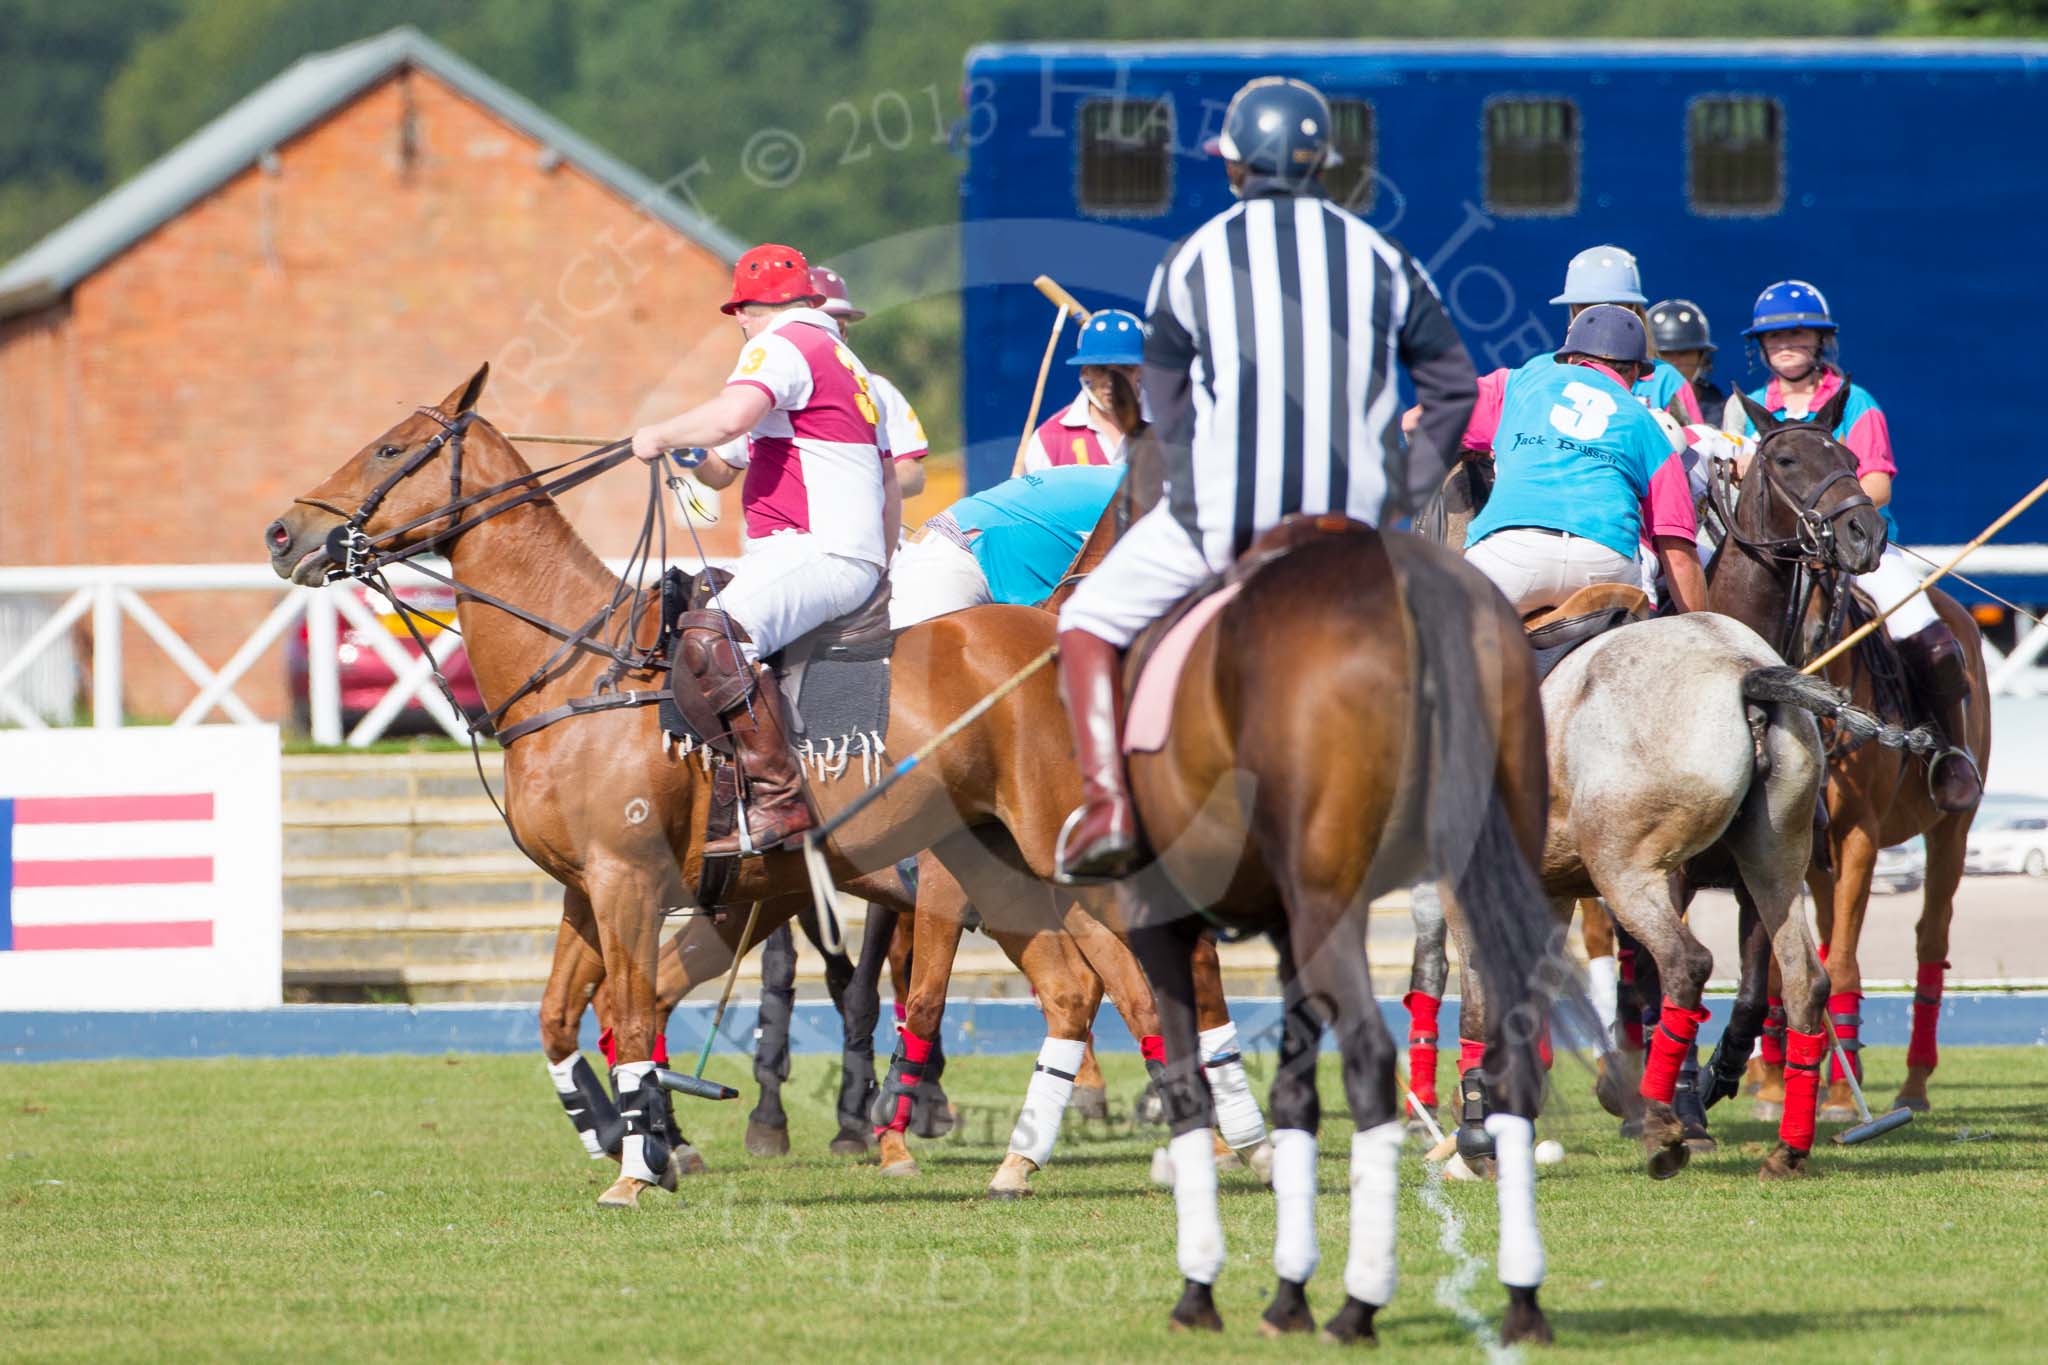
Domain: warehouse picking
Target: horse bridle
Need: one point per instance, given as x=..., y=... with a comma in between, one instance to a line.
x=1813, y=543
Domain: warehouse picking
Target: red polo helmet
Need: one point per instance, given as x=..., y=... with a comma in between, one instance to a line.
x=771, y=274
x=832, y=285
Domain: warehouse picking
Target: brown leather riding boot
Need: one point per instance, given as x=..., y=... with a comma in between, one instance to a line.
x=1100, y=840
x=749, y=703
x=1934, y=659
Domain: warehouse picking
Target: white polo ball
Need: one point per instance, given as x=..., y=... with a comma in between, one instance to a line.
x=1549, y=1152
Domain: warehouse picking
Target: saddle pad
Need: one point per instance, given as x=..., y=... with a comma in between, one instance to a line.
x=841, y=710
x=1152, y=699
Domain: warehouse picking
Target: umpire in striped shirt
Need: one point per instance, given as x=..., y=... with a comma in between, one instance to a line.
x=1274, y=331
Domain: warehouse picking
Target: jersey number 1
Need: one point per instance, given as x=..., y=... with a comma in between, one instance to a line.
x=1586, y=417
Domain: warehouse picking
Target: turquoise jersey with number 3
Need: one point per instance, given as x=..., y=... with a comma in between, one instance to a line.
x=1575, y=452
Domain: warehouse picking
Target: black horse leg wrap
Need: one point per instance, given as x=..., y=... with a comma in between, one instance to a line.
x=1473, y=1139
x=592, y=1111
x=901, y=1083
x=1774, y=1025
x=642, y=1110
x=1846, y=1026
x=1729, y=1061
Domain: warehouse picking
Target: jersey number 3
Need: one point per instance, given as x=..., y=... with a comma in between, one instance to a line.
x=1586, y=416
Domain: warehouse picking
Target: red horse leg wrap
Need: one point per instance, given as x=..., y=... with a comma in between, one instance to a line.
x=912, y=1052
x=1677, y=1029
x=608, y=1044
x=660, y=1057
x=1926, y=1013
x=1802, y=1081
x=1771, y=1047
x=1845, y=1008
x=1153, y=1047
x=1544, y=1053
x=1470, y=1054
x=1631, y=1015
x=901, y=1014
x=1422, y=1010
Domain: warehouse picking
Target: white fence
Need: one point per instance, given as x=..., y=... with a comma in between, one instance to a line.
x=39, y=664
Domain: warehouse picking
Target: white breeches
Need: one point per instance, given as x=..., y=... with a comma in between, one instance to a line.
x=1889, y=583
x=1153, y=566
x=931, y=577
x=785, y=586
x=1535, y=569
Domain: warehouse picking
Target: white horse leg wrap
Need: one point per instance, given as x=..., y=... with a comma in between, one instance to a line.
x=563, y=1073
x=1369, y=1269
x=1295, y=1254
x=1237, y=1113
x=1045, y=1099
x=1521, y=1244
x=1602, y=985
x=1200, y=1244
x=633, y=1147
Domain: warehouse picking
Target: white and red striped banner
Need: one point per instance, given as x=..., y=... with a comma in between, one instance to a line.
x=140, y=868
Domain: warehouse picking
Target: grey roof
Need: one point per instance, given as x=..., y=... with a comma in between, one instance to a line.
x=298, y=97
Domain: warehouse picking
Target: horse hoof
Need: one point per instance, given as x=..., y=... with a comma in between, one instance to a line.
x=933, y=1121
x=1089, y=1102
x=1784, y=1164
x=851, y=1142
x=1632, y=1128
x=1666, y=1162
x=623, y=1194
x=686, y=1160
x=1260, y=1159
x=1011, y=1177
x=1917, y=1103
x=1196, y=1311
x=1663, y=1141
x=894, y=1154
x=1702, y=1146
x=1767, y=1111
x=1524, y=1320
x=1838, y=1113
x=1614, y=1091
x=1352, y=1326
x=1288, y=1313
x=1227, y=1158
x=765, y=1139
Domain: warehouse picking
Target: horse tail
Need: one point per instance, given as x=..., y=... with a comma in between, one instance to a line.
x=1517, y=943
x=1814, y=694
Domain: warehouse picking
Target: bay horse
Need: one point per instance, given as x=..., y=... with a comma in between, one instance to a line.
x=599, y=802
x=1794, y=536
x=1324, y=748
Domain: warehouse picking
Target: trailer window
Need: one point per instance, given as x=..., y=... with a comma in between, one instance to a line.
x=1126, y=157
x=1356, y=141
x=1735, y=153
x=1531, y=156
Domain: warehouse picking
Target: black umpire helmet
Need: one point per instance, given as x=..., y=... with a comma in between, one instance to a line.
x=1279, y=128
x=1680, y=325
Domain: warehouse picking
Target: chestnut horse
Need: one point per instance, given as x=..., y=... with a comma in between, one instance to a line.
x=599, y=802
x=1325, y=748
x=1777, y=567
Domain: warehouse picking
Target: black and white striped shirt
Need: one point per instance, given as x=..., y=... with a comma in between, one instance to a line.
x=1276, y=327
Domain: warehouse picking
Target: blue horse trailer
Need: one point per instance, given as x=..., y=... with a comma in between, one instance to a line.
x=1904, y=179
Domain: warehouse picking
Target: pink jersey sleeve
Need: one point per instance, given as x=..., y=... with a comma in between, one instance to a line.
x=1485, y=421
x=1668, y=511
x=1688, y=406
x=1871, y=439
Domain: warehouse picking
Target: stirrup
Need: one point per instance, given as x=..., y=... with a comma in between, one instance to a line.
x=1060, y=875
x=1939, y=757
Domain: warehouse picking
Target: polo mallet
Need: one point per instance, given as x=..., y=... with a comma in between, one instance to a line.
x=1067, y=304
x=1848, y=641
x=1869, y=1128
x=814, y=841
x=695, y=1084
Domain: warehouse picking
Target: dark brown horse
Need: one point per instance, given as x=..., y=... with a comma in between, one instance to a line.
x=599, y=802
x=1778, y=572
x=1326, y=747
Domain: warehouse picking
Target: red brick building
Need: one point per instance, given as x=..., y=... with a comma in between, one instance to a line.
x=346, y=243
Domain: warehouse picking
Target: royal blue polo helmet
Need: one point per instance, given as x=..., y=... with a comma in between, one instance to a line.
x=1608, y=331
x=1111, y=337
x=1278, y=128
x=1789, y=304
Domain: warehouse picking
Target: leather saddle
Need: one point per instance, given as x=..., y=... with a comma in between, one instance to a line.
x=1587, y=614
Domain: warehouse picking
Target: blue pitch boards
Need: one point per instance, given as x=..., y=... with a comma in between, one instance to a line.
x=987, y=1027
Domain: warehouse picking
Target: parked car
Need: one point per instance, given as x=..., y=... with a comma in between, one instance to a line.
x=364, y=676
x=2008, y=843
x=1900, y=868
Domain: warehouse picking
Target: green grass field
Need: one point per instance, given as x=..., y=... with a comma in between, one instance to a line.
x=438, y=1208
